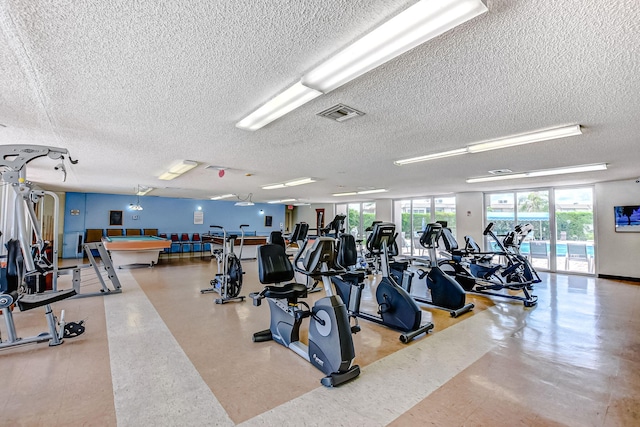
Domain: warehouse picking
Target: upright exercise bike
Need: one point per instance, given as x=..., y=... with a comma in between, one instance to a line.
x=396, y=309
x=228, y=280
x=330, y=347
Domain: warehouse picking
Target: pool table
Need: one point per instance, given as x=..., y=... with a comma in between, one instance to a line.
x=130, y=250
x=249, y=251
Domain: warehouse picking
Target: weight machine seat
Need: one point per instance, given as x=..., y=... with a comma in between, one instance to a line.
x=29, y=301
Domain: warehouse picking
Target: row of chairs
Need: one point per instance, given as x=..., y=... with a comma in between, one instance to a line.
x=575, y=252
x=96, y=234
x=183, y=243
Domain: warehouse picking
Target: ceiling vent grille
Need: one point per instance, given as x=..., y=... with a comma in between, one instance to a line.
x=500, y=171
x=340, y=113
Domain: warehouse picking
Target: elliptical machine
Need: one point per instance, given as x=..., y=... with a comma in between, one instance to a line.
x=330, y=347
x=228, y=280
x=396, y=309
x=446, y=293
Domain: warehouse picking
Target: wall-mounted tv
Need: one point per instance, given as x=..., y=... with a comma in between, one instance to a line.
x=627, y=218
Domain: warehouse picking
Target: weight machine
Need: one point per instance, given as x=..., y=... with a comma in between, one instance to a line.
x=25, y=259
x=18, y=218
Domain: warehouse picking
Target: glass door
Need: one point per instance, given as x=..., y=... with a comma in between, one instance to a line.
x=445, y=211
x=533, y=208
x=420, y=217
x=402, y=210
x=353, y=220
x=575, y=248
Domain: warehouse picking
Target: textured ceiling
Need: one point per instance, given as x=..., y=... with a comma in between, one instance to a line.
x=130, y=87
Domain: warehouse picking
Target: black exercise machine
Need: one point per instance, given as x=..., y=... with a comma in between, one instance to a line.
x=396, y=309
x=12, y=284
x=476, y=274
x=330, y=347
x=446, y=293
x=334, y=228
x=228, y=280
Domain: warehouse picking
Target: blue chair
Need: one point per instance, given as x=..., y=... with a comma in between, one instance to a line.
x=175, y=244
x=185, y=243
x=196, y=242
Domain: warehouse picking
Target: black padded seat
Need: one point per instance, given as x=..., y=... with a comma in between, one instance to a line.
x=286, y=291
x=29, y=301
x=273, y=264
x=354, y=275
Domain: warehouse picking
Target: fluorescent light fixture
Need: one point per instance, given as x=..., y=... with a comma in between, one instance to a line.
x=277, y=107
x=494, y=144
x=302, y=204
x=273, y=187
x=450, y=153
x=293, y=183
x=281, y=201
x=178, y=169
x=300, y=181
x=543, y=172
x=526, y=138
x=496, y=177
x=224, y=196
x=353, y=193
x=415, y=25
x=168, y=176
x=378, y=190
x=144, y=190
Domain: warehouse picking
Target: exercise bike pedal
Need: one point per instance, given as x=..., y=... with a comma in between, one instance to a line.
x=355, y=329
x=73, y=329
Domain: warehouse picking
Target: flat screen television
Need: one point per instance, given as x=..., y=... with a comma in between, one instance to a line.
x=627, y=218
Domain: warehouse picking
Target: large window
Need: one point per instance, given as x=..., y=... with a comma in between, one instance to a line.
x=562, y=219
x=412, y=215
x=360, y=216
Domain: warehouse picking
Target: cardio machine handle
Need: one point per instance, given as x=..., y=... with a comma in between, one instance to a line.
x=488, y=229
x=216, y=226
x=244, y=225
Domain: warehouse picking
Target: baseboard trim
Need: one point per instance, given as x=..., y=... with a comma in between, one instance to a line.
x=629, y=279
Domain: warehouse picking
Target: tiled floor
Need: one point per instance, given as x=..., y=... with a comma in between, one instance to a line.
x=161, y=353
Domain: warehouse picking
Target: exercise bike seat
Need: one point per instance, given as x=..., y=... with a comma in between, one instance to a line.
x=285, y=291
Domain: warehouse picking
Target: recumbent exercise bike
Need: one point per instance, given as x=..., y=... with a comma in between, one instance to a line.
x=330, y=347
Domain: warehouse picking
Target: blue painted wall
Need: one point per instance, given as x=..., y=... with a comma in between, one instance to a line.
x=168, y=215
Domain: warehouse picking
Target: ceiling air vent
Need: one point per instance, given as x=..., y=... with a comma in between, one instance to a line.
x=340, y=113
x=500, y=171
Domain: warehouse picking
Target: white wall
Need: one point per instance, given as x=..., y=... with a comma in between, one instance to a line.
x=617, y=252
x=469, y=216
